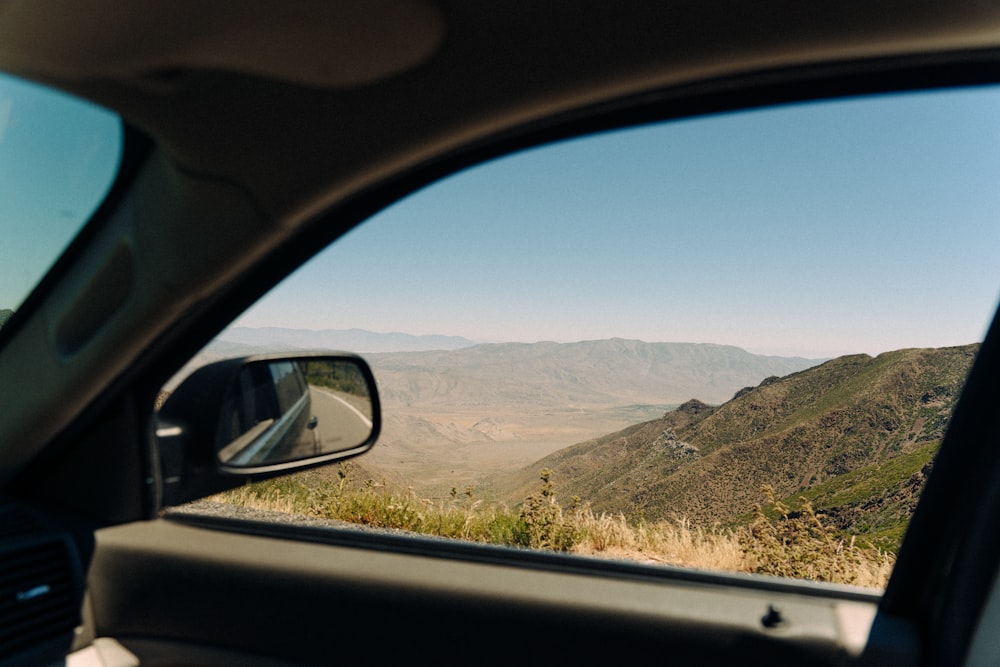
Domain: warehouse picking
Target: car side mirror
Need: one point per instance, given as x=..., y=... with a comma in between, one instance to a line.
x=258, y=417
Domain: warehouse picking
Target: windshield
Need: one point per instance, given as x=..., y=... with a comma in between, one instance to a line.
x=58, y=158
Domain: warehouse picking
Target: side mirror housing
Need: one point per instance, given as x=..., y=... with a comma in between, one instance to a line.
x=262, y=416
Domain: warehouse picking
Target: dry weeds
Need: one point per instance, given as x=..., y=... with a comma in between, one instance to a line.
x=793, y=545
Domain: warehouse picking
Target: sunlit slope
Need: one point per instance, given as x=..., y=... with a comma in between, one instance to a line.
x=875, y=501
x=803, y=432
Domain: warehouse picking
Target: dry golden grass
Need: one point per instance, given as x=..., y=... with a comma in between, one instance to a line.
x=249, y=496
x=798, y=546
x=679, y=543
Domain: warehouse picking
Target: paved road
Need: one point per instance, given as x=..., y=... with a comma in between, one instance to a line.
x=339, y=425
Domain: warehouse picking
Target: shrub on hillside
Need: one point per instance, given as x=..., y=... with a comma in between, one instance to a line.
x=800, y=546
x=541, y=522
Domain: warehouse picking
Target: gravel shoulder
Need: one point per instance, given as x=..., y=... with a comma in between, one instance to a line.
x=211, y=508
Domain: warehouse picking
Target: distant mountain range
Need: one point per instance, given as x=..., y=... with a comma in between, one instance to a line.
x=597, y=373
x=855, y=435
x=455, y=373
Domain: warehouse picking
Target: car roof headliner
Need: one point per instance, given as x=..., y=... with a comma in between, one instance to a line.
x=333, y=97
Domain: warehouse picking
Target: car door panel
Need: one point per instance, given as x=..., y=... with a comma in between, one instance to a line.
x=306, y=601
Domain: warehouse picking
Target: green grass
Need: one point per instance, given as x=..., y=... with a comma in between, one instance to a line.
x=881, y=496
x=871, y=481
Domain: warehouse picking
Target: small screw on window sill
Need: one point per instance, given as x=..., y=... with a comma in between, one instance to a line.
x=773, y=617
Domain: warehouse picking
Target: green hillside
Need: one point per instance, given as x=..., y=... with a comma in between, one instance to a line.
x=875, y=501
x=5, y=314
x=855, y=435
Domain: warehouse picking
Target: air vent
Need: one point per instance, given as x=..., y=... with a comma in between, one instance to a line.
x=39, y=585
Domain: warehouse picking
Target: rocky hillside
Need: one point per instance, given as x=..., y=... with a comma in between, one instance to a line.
x=856, y=434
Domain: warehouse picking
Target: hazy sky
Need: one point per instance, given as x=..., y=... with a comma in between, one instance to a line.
x=816, y=230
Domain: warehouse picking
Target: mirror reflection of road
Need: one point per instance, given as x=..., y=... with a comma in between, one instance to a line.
x=339, y=425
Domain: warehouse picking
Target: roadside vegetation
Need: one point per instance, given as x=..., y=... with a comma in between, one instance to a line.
x=777, y=541
x=338, y=376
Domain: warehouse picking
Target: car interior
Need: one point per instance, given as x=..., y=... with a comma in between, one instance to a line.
x=254, y=135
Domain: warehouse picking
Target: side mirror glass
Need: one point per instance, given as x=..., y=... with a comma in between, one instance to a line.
x=293, y=409
x=262, y=416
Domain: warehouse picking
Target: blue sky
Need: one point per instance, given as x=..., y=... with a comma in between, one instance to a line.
x=851, y=226
x=58, y=157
